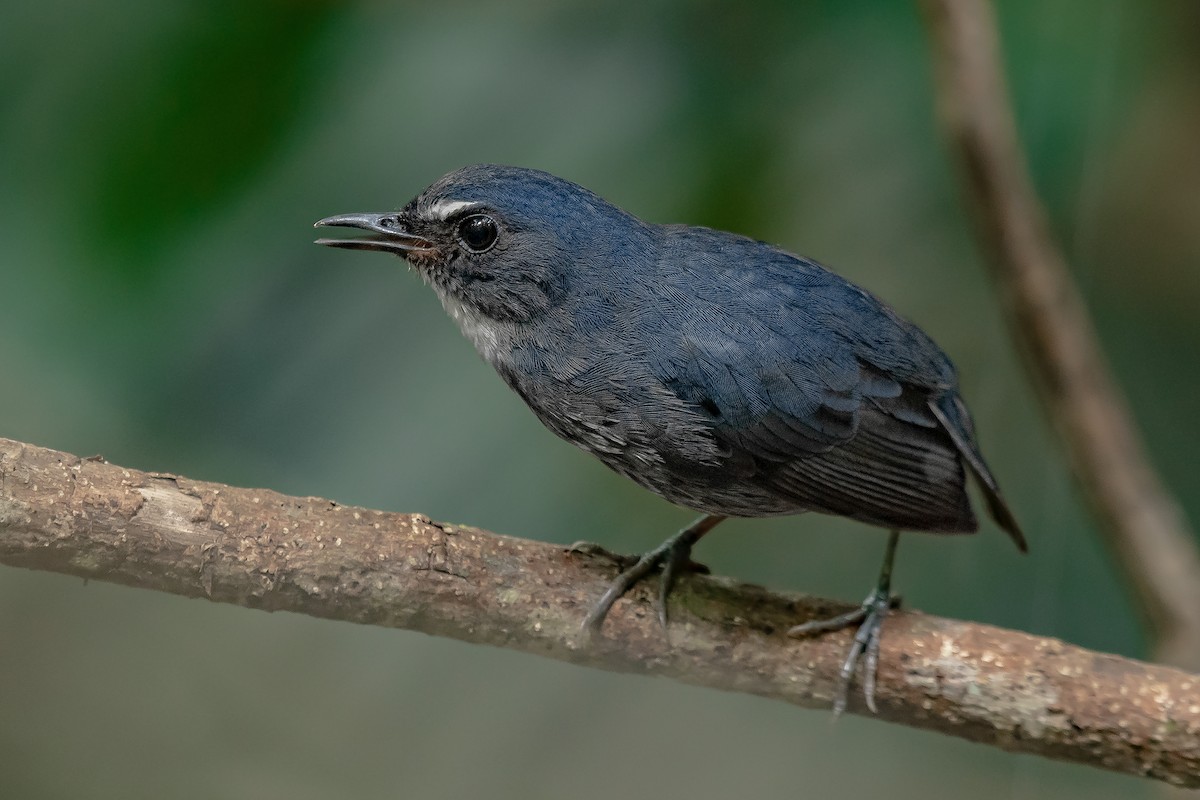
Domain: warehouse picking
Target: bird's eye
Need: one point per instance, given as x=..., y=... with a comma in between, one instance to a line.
x=478, y=232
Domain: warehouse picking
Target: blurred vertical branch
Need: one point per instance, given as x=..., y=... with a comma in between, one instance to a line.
x=1144, y=527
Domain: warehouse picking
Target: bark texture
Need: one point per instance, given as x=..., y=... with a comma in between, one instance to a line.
x=261, y=549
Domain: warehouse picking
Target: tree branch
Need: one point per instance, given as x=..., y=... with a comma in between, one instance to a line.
x=261, y=549
x=1144, y=527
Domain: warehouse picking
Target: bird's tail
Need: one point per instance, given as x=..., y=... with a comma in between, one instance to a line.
x=953, y=416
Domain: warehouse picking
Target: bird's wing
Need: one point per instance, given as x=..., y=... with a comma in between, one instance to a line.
x=849, y=441
x=900, y=470
x=829, y=392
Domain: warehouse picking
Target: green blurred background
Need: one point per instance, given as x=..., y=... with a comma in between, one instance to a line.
x=161, y=303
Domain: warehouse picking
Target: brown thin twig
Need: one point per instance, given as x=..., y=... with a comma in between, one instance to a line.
x=260, y=549
x=1144, y=527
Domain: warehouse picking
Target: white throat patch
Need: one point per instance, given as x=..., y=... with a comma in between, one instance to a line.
x=493, y=340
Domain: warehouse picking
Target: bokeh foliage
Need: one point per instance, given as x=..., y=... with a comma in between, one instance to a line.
x=160, y=165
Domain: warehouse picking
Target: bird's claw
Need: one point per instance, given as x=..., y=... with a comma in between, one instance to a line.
x=869, y=617
x=669, y=555
x=674, y=555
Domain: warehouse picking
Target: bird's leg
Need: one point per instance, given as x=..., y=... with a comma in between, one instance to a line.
x=672, y=554
x=870, y=614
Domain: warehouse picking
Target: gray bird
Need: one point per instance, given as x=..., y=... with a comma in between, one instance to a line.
x=725, y=374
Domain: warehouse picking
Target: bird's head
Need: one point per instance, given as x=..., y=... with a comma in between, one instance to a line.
x=503, y=242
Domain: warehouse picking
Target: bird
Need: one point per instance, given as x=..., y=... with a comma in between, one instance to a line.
x=725, y=374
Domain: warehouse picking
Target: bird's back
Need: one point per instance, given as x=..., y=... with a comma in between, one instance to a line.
x=738, y=379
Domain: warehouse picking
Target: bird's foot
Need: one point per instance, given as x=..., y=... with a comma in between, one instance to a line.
x=869, y=617
x=674, y=555
x=671, y=554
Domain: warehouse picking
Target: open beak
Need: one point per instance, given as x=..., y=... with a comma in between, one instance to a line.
x=386, y=232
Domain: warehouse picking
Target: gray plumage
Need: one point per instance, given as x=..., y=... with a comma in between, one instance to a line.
x=723, y=373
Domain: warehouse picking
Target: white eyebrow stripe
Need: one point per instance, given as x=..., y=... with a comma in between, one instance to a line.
x=444, y=208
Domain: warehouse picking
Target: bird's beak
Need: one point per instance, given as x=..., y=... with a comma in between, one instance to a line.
x=389, y=233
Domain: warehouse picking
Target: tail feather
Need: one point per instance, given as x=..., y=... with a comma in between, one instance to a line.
x=957, y=423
